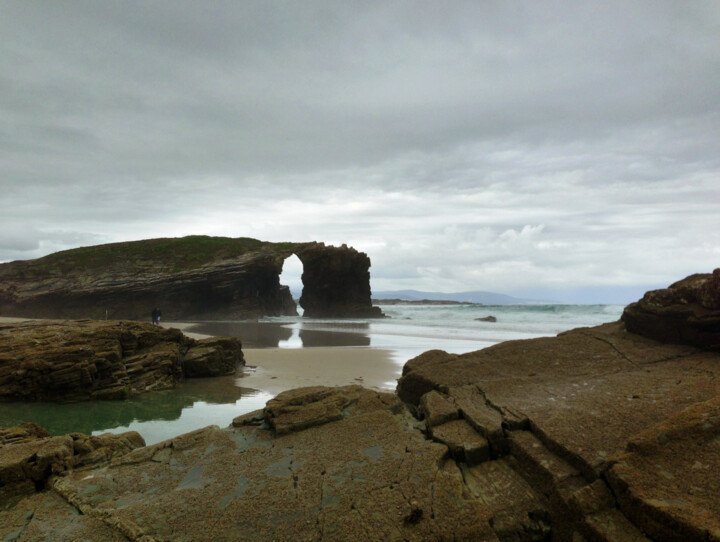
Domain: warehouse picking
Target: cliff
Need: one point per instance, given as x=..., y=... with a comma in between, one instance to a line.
x=194, y=277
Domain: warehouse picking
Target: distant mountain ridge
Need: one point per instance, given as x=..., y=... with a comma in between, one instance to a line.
x=485, y=298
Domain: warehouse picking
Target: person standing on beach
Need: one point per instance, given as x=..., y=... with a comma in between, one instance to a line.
x=156, y=314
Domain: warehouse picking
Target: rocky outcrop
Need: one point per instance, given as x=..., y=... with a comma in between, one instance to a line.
x=193, y=277
x=365, y=475
x=87, y=359
x=687, y=312
x=29, y=456
x=336, y=283
x=667, y=478
x=613, y=435
x=486, y=319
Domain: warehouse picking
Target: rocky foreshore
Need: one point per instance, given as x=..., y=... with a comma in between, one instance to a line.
x=596, y=434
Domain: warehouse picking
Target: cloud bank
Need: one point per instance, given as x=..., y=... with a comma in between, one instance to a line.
x=553, y=149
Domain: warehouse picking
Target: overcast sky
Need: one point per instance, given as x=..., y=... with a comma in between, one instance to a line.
x=564, y=150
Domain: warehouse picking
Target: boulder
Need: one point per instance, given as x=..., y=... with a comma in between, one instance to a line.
x=213, y=357
x=298, y=409
x=486, y=319
x=687, y=312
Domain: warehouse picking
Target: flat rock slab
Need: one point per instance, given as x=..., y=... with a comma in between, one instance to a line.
x=47, y=516
x=371, y=475
x=588, y=391
x=668, y=480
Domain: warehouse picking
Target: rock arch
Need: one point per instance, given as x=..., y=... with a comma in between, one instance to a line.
x=194, y=277
x=336, y=282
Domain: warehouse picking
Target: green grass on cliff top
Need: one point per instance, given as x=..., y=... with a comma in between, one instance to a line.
x=167, y=254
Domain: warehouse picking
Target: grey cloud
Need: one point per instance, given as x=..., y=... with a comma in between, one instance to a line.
x=589, y=130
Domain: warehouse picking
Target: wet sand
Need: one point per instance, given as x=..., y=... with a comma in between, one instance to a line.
x=325, y=359
x=273, y=370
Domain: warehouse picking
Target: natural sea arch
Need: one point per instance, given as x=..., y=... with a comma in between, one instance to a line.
x=291, y=276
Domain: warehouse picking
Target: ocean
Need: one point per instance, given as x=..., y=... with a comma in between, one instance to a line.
x=407, y=331
x=410, y=330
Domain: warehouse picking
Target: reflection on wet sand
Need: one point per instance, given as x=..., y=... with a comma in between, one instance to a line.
x=273, y=334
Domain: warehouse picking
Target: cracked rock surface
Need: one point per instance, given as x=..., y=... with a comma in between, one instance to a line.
x=371, y=475
x=574, y=412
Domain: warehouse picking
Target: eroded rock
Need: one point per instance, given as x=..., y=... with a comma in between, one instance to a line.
x=336, y=283
x=214, y=356
x=667, y=480
x=194, y=277
x=29, y=456
x=564, y=409
x=687, y=312
x=490, y=318
x=597, y=434
x=86, y=359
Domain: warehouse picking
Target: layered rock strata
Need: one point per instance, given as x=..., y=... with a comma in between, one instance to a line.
x=87, y=359
x=336, y=283
x=568, y=415
x=193, y=277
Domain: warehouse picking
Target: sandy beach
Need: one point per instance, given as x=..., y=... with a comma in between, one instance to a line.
x=273, y=370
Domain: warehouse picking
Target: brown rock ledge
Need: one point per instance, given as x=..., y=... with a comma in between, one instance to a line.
x=73, y=360
x=563, y=410
x=369, y=475
x=686, y=312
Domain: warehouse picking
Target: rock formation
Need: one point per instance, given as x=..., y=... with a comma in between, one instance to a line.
x=86, y=359
x=489, y=318
x=596, y=434
x=29, y=456
x=687, y=312
x=193, y=277
x=559, y=419
x=336, y=283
